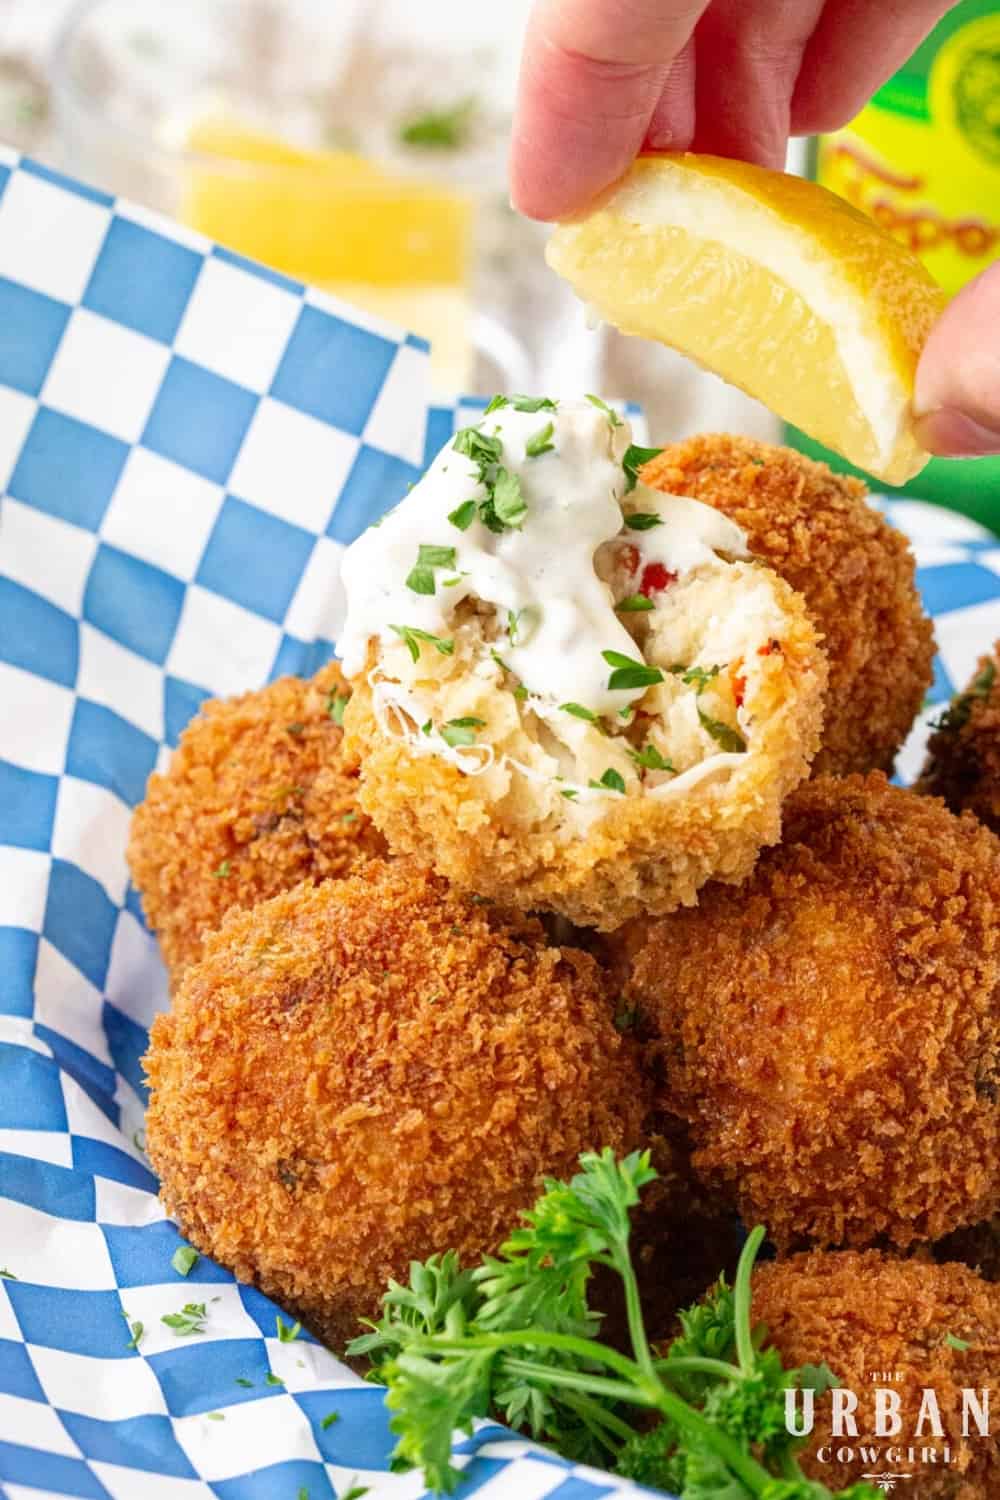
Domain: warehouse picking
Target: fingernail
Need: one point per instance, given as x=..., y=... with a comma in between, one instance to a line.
x=952, y=434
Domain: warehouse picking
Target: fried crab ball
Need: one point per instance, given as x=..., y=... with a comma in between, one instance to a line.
x=923, y=1333
x=963, y=754
x=258, y=796
x=854, y=570
x=572, y=693
x=368, y=1071
x=831, y=1030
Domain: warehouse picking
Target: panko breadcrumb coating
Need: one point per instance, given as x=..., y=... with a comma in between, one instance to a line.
x=831, y=1030
x=854, y=570
x=591, y=709
x=963, y=754
x=259, y=795
x=926, y=1327
x=369, y=1071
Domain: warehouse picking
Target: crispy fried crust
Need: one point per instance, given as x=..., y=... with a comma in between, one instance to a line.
x=855, y=572
x=367, y=1071
x=863, y=1313
x=646, y=854
x=831, y=1031
x=258, y=796
x=963, y=756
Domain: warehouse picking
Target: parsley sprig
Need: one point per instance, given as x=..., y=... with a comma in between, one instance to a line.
x=516, y=1337
x=413, y=637
x=956, y=715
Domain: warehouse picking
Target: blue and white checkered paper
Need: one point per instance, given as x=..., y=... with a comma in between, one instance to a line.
x=186, y=444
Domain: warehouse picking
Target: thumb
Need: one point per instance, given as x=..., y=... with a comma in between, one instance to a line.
x=957, y=393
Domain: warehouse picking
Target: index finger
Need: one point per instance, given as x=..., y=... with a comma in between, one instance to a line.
x=592, y=74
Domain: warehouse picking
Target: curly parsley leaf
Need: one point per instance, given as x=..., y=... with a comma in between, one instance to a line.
x=611, y=781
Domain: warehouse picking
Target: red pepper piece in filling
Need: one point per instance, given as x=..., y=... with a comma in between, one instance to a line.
x=655, y=578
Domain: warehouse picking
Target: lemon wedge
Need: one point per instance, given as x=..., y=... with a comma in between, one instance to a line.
x=772, y=282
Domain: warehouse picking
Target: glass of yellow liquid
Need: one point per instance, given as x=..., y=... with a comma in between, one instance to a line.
x=320, y=139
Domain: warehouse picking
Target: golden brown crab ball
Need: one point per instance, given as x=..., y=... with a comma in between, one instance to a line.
x=831, y=1030
x=365, y=1072
x=963, y=754
x=927, y=1328
x=592, y=708
x=854, y=570
x=258, y=796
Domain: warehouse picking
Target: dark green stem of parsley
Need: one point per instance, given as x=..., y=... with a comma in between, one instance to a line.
x=516, y=1338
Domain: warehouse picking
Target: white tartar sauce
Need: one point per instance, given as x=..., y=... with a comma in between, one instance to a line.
x=511, y=513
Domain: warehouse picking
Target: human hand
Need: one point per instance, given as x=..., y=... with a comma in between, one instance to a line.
x=601, y=79
x=957, y=394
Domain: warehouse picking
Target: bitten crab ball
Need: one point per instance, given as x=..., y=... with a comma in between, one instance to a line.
x=368, y=1071
x=963, y=754
x=831, y=1030
x=855, y=572
x=258, y=796
x=925, y=1336
x=570, y=692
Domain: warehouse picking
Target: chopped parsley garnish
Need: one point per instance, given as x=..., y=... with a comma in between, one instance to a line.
x=427, y=726
x=953, y=1343
x=629, y=674
x=533, y=403
x=650, y=759
x=634, y=604
x=303, y=1493
x=421, y=576
x=496, y=404
x=626, y=1016
x=478, y=446
x=504, y=506
x=435, y=557
x=570, y=793
x=449, y=583
x=614, y=420
x=222, y=871
x=190, y=1319
x=694, y=676
x=137, y=1330
x=215, y=1416
x=356, y=1492
x=271, y=1379
x=348, y=817
x=463, y=515
x=183, y=1260
x=726, y=738
x=633, y=461
x=461, y=732
x=520, y=692
x=335, y=705
x=413, y=637
x=579, y=712
x=441, y=129
x=6, y=1275
x=611, y=781
x=540, y=442
x=507, y=506
x=287, y=1332
x=513, y=622
x=643, y=520
x=244, y=1382
x=295, y=728
x=329, y=1419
